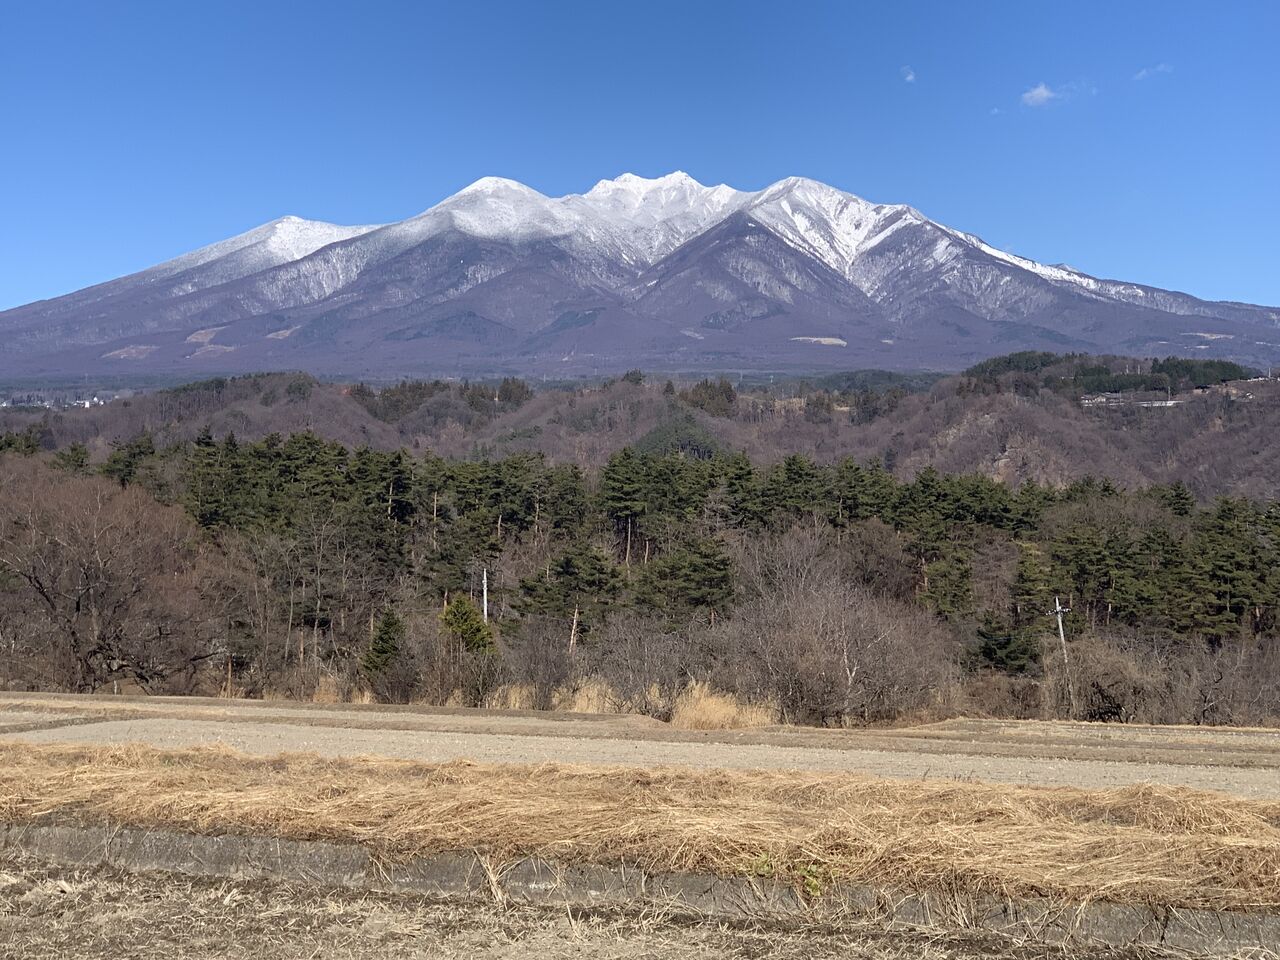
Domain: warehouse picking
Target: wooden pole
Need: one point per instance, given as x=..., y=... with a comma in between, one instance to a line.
x=1060, y=611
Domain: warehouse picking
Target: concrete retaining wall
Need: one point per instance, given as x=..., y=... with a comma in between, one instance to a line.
x=541, y=881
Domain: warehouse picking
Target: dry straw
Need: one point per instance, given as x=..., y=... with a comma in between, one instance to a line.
x=1154, y=846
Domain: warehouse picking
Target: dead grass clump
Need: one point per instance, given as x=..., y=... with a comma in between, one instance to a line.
x=589, y=696
x=1143, y=845
x=511, y=696
x=592, y=696
x=698, y=707
x=327, y=690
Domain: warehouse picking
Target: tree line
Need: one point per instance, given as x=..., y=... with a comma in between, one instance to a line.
x=834, y=592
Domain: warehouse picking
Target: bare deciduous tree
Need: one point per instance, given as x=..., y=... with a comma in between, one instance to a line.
x=110, y=583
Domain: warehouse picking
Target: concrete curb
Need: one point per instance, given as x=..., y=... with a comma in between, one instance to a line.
x=623, y=887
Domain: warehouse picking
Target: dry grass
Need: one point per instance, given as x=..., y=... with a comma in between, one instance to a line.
x=591, y=696
x=1147, y=845
x=698, y=707
x=48, y=913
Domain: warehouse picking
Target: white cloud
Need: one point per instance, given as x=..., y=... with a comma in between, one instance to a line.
x=995, y=111
x=1148, y=72
x=1039, y=95
x=908, y=74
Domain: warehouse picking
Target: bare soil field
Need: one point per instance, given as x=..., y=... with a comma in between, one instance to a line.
x=1244, y=763
x=58, y=914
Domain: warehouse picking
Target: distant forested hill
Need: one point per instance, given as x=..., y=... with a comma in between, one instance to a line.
x=1033, y=416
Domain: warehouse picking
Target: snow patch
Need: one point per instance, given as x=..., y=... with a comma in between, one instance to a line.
x=824, y=341
x=204, y=336
x=137, y=351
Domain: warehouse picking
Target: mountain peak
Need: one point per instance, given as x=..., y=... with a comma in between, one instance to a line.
x=630, y=183
x=497, y=185
x=808, y=267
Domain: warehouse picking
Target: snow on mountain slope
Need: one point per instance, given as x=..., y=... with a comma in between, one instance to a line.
x=280, y=241
x=634, y=271
x=653, y=217
x=277, y=242
x=635, y=219
x=625, y=225
x=834, y=226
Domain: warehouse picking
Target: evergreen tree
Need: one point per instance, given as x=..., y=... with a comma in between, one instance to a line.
x=25, y=443
x=693, y=578
x=792, y=489
x=1176, y=497
x=583, y=581
x=743, y=497
x=208, y=482
x=949, y=582
x=1033, y=588
x=464, y=623
x=74, y=459
x=1002, y=647
x=388, y=638
x=623, y=494
x=127, y=458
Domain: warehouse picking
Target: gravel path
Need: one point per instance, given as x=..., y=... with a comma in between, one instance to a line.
x=436, y=746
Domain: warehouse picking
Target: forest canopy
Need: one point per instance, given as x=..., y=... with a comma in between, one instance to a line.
x=833, y=592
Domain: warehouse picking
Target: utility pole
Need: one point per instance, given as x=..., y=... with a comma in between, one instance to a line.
x=1060, y=611
x=484, y=593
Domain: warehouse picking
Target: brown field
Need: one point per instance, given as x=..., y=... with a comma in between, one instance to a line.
x=1245, y=763
x=1143, y=845
x=1162, y=818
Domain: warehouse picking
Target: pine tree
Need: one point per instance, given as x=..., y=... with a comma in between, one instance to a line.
x=74, y=459
x=1002, y=647
x=696, y=577
x=623, y=498
x=1033, y=589
x=207, y=482
x=950, y=582
x=743, y=499
x=127, y=458
x=463, y=622
x=793, y=489
x=583, y=581
x=388, y=638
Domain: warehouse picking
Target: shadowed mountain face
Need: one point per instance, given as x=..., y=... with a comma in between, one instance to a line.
x=661, y=273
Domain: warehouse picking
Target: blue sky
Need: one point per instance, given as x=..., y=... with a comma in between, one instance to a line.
x=1138, y=140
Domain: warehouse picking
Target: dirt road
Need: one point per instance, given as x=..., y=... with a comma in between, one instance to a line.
x=1241, y=762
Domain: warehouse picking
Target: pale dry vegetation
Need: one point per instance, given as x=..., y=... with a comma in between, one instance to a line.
x=50, y=913
x=1153, y=846
x=697, y=706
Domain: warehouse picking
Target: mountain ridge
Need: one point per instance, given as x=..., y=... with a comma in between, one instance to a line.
x=672, y=273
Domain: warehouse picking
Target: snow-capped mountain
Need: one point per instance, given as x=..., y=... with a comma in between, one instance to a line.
x=659, y=273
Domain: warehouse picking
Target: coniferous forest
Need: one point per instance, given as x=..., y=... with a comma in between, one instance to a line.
x=831, y=592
